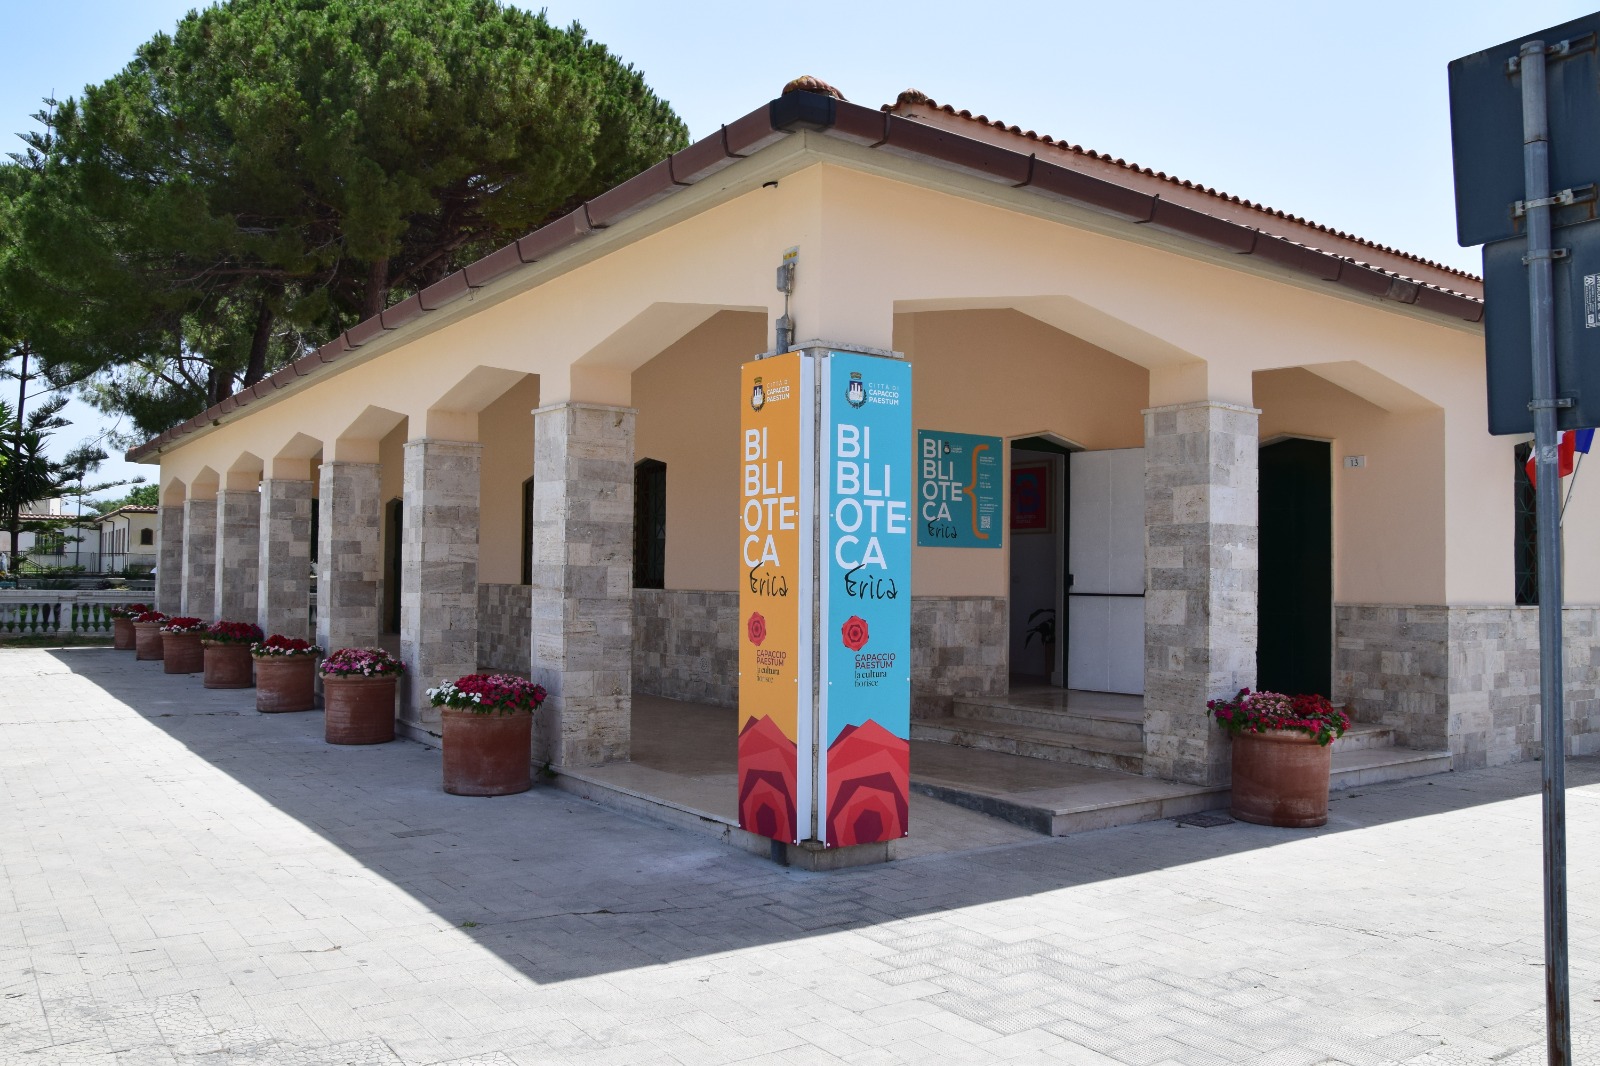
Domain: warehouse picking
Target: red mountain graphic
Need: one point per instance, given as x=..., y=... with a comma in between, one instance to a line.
x=869, y=784
x=767, y=771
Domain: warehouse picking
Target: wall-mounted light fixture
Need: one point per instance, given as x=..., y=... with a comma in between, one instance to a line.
x=785, y=331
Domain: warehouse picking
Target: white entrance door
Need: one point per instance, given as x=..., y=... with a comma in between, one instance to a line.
x=1105, y=558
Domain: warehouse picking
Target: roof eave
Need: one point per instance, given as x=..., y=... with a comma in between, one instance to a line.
x=868, y=128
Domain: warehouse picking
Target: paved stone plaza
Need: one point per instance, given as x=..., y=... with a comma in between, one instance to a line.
x=183, y=880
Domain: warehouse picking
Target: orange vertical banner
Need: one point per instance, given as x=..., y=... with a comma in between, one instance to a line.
x=775, y=517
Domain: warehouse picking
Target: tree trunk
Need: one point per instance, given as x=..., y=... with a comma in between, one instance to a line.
x=219, y=386
x=377, y=292
x=256, y=368
x=14, y=505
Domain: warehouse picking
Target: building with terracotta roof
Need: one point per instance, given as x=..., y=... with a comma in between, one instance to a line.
x=51, y=536
x=1253, y=450
x=127, y=537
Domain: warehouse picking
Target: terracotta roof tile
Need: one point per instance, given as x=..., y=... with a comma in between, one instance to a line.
x=912, y=97
x=886, y=130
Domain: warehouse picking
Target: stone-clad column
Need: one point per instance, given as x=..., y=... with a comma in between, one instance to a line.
x=583, y=581
x=169, y=559
x=283, y=593
x=439, y=571
x=349, y=555
x=1200, y=485
x=199, y=557
x=238, y=554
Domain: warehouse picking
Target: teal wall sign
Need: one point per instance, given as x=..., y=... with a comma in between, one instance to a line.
x=959, y=501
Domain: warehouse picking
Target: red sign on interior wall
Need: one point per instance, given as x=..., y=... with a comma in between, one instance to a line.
x=1030, y=498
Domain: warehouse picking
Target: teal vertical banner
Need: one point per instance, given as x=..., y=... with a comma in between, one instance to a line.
x=868, y=513
x=959, y=494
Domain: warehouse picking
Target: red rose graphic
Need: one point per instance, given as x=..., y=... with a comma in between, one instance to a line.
x=868, y=786
x=768, y=771
x=854, y=632
x=756, y=628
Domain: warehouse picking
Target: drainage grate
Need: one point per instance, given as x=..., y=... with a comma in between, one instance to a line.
x=1205, y=820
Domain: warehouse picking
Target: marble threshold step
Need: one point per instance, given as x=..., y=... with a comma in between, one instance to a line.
x=1362, y=735
x=1116, y=725
x=1115, y=799
x=1033, y=742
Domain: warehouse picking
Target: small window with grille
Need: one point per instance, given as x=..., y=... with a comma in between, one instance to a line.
x=649, y=524
x=527, y=532
x=1526, y=534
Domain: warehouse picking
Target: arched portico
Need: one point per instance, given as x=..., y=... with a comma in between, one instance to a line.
x=238, y=551
x=283, y=586
x=169, y=558
x=200, y=544
x=553, y=373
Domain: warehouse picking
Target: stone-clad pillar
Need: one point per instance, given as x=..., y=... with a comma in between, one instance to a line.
x=1200, y=485
x=169, y=559
x=283, y=593
x=438, y=571
x=583, y=581
x=238, y=554
x=349, y=555
x=199, y=557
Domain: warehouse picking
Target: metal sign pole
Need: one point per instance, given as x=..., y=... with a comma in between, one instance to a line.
x=1536, y=171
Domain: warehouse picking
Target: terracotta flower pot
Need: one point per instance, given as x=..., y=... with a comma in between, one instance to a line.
x=147, y=645
x=486, y=754
x=123, y=637
x=228, y=664
x=181, y=653
x=1281, y=779
x=358, y=710
x=286, y=683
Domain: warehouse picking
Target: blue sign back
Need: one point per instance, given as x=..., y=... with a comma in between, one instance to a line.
x=1486, y=131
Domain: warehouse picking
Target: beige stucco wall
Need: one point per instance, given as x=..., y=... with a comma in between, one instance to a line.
x=1001, y=310
x=688, y=402
x=994, y=372
x=506, y=430
x=1389, y=515
x=392, y=459
x=1002, y=373
x=1393, y=518
x=613, y=315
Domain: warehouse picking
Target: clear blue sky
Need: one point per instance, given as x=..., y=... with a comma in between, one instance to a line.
x=1334, y=112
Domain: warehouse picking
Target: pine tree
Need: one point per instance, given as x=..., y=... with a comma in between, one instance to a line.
x=276, y=170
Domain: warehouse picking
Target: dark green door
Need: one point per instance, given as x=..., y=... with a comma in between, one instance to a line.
x=396, y=561
x=1294, y=651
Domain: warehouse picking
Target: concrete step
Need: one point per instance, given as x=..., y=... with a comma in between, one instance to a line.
x=1127, y=800
x=1373, y=766
x=1112, y=725
x=1362, y=736
x=1033, y=742
x=1078, y=810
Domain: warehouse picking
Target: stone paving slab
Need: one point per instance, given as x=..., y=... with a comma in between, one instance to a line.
x=184, y=881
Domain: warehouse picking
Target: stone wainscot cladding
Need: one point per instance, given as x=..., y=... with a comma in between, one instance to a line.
x=686, y=647
x=1465, y=678
x=505, y=628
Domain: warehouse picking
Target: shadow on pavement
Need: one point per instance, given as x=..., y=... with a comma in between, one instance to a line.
x=560, y=888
